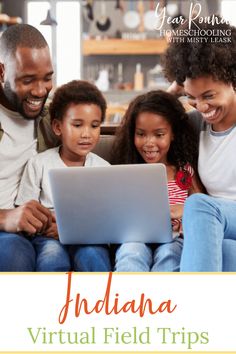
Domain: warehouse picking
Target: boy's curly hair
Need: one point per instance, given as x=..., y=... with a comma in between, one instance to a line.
x=77, y=92
x=184, y=147
x=189, y=58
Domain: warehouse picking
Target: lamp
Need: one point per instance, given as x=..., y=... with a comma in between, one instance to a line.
x=49, y=21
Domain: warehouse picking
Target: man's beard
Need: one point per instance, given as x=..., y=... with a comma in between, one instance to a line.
x=17, y=104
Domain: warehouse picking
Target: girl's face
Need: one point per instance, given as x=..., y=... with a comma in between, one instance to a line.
x=153, y=136
x=216, y=101
x=79, y=131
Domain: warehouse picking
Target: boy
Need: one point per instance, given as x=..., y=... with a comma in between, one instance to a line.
x=77, y=111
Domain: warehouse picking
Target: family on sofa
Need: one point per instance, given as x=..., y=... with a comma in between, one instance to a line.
x=196, y=148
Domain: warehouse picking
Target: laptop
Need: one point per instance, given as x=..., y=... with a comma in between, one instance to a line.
x=111, y=204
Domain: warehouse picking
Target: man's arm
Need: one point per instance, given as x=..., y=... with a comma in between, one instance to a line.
x=30, y=217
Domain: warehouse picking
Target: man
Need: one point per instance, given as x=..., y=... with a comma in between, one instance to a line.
x=26, y=80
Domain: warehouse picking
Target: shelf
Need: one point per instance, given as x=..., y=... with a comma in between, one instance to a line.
x=123, y=46
x=7, y=20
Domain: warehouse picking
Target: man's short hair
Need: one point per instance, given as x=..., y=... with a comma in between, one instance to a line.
x=21, y=35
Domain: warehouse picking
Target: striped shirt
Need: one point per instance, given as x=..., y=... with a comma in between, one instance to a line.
x=178, y=196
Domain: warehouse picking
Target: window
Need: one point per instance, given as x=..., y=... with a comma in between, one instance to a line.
x=228, y=8
x=64, y=40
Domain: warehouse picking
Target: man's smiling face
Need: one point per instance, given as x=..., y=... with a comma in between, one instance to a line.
x=27, y=81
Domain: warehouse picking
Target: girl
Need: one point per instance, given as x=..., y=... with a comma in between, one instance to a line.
x=77, y=111
x=208, y=73
x=156, y=129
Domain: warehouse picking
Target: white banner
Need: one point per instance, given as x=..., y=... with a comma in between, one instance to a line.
x=80, y=312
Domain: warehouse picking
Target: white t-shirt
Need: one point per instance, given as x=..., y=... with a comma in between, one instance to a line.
x=17, y=145
x=217, y=164
x=35, y=180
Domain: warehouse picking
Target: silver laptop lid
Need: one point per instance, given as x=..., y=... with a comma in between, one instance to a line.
x=111, y=204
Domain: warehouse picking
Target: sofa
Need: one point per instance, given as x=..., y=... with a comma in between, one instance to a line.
x=103, y=148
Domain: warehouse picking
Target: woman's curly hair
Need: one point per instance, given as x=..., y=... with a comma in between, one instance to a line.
x=184, y=147
x=188, y=57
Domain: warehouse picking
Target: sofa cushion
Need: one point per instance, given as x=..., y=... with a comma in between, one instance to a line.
x=103, y=147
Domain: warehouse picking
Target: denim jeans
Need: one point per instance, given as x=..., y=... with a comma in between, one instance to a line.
x=91, y=258
x=16, y=253
x=51, y=255
x=140, y=257
x=210, y=234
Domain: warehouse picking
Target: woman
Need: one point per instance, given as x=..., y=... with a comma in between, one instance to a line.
x=207, y=70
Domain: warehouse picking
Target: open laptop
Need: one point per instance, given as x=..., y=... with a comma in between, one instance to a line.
x=111, y=204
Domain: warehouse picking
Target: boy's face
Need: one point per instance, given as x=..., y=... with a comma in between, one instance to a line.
x=79, y=131
x=216, y=100
x=27, y=81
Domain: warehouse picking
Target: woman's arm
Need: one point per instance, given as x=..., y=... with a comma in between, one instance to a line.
x=197, y=186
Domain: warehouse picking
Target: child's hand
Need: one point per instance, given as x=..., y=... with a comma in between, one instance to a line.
x=52, y=231
x=177, y=225
x=176, y=211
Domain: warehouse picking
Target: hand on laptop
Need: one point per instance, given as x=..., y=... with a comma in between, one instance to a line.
x=30, y=217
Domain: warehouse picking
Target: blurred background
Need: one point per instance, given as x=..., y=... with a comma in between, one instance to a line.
x=112, y=43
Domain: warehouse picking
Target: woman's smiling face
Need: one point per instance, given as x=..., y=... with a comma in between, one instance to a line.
x=216, y=100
